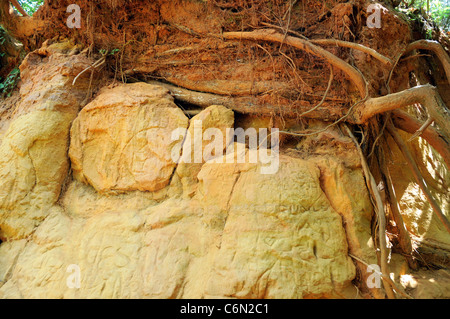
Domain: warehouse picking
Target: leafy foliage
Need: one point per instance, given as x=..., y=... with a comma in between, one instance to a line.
x=438, y=10
x=8, y=85
x=9, y=82
x=30, y=6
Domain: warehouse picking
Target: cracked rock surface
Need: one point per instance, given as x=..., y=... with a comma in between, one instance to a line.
x=137, y=225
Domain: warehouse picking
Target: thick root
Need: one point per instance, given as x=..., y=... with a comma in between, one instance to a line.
x=409, y=124
x=372, y=186
x=427, y=95
x=305, y=45
x=252, y=105
x=21, y=28
x=434, y=47
x=19, y=8
x=417, y=175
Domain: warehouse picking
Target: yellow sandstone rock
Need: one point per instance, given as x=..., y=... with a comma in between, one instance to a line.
x=213, y=117
x=131, y=223
x=130, y=234
x=121, y=141
x=33, y=166
x=243, y=234
x=33, y=149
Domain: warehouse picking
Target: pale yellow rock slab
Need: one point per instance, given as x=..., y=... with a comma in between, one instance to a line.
x=122, y=140
x=33, y=165
x=243, y=234
x=194, y=152
x=280, y=237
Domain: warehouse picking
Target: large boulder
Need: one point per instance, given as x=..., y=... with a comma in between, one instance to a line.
x=121, y=141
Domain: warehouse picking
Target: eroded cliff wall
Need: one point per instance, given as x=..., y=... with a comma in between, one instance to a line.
x=95, y=186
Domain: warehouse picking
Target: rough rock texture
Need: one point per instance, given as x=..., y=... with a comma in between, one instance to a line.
x=122, y=140
x=33, y=165
x=214, y=117
x=281, y=227
x=243, y=234
x=33, y=150
x=138, y=225
x=229, y=231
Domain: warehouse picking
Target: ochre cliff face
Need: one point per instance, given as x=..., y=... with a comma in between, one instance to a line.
x=122, y=140
x=97, y=190
x=34, y=148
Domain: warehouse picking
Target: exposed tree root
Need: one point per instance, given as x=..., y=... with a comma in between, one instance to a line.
x=384, y=277
x=96, y=64
x=403, y=235
x=228, y=88
x=427, y=95
x=386, y=61
x=363, y=110
x=424, y=126
x=252, y=105
x=436, y=48
x=409, y=124
x=19, y=8
x=305, y=45
x=417, y=175
x=330, y=81
x=372, y=186
x=21, y=28
x=339, y=43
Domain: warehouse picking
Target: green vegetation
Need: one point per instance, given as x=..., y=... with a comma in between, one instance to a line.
x=30, y=6
x=440, y=12
x=8, y=85
x=437, y=10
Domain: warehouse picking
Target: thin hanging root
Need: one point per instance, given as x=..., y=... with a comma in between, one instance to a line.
x=417, y=175
x=330, y=81
x=305, y=45
x=409, y=124
x=371, y=183
x=95, y=65
x=419, y=132
x=403, y=234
